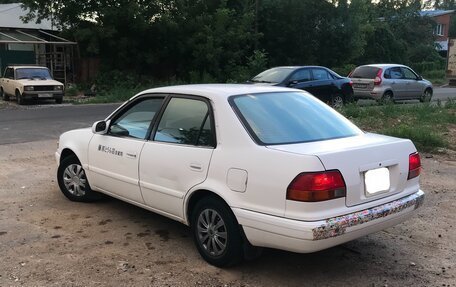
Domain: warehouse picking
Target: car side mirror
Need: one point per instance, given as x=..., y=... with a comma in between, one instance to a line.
x=419, y=78
x=100, y=127
x=292, y=83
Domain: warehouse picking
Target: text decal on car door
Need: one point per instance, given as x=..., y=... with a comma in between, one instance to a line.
x=109, y=150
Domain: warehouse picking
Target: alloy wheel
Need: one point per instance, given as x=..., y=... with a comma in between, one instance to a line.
x=212, y=232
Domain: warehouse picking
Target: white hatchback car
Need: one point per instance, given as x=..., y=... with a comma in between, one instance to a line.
x=245, y=166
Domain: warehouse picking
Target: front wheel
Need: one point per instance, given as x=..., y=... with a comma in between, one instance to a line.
x=19, y=98
x=426, y=96
x=216, y=232
x=3, y=95
x=73, y=181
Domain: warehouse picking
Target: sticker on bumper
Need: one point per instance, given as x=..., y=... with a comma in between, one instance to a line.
x=338, y=225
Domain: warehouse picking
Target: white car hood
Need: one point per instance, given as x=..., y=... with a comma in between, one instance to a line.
x=38, y=82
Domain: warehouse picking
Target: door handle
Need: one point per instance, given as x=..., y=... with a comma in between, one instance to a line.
x=196, y=166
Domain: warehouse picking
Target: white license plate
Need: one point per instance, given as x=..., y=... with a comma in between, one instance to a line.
x=44, y=95
x=377, y=180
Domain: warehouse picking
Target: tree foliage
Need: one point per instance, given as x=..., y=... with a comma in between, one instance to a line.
x=225, y=40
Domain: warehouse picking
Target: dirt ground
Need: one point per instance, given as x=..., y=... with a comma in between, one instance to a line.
x=46, y=240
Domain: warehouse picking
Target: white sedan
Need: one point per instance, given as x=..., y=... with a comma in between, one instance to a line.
x=245, y=167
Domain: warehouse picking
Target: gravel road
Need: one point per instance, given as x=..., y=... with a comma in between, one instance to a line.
x=46, y=240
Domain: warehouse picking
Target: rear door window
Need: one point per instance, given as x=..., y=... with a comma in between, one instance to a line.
x=365, y=72
x=186, y=121
x=321, y=74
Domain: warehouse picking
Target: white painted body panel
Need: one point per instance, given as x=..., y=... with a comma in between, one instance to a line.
x=168, y=171
x=113, y=172
x=163, y=177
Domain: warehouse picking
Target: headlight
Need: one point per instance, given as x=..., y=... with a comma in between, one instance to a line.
x=29, y=88
x=58, y=88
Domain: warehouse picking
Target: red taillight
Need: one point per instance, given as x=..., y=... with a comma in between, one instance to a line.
x=350, y=83
x=378, y=77
x=317, y=186
x=414, y=165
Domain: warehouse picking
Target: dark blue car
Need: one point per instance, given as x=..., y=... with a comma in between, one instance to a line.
x=321, y=82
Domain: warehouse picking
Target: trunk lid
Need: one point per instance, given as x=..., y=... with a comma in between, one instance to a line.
x=363, y=84
x=355, y=156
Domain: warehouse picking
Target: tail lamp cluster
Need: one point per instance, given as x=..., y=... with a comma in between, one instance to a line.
x=378, y=77
x=414, y=165
x=326, y=185
x=317, y=186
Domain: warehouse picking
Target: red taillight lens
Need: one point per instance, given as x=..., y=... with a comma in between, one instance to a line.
x=350, y=83
x=378, y=77
x=414, y=165
x=317, y=186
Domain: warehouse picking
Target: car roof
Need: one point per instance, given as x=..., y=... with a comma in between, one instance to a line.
x=25, y=66
x=212, y=91
x=383, y=65
x=298, y=67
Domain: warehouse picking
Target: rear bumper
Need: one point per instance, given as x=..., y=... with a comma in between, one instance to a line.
x=310, y=236
x=365, y=94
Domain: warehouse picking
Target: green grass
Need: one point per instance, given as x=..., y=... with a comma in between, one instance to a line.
x=430, y=127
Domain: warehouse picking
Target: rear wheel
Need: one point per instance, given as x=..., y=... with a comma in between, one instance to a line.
x=19, y=98
x=216, y=232
x=388, y=98
x=3, y=95
x=73, y=181
x=337, y=101
x=426, y=96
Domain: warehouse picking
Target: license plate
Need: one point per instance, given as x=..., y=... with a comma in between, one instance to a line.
x=377, y=180
x=360, y=86
x=44, y=95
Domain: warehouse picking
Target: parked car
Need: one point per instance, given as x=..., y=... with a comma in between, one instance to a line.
x=321, y=82
x=245, y=167
x=29, y=82
x=389, y=82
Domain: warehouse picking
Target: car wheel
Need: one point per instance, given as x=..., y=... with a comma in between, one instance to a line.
x=73, y=181
x=216, y=232
x=3, y=95
x=388, y=98
x=337, y=101
x=58, y=100
x=19, y=98
x=426, y=96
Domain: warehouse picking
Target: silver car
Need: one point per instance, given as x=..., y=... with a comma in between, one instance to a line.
x=389, y=82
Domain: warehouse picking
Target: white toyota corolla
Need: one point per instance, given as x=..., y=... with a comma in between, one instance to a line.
x=245, y=166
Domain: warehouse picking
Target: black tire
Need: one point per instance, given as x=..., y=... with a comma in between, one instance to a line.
x=426, y=96
x=388, y=98
x=231, y=252
x=337, y=101
x=3, y=95
x=19, y=98
x=82, y=192
x=59, y=100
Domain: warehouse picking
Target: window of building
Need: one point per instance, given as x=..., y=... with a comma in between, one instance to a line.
x=439, y=29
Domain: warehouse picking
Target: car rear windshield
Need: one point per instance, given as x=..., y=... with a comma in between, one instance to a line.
x=365, y=72
x=290, y=117
x=274, y=75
